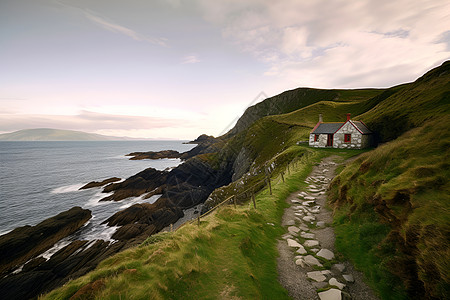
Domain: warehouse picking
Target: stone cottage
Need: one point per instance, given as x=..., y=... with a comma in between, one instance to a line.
x=349, y=134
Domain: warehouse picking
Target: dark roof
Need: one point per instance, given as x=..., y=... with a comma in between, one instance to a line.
x=362, y=127
x=324, y=128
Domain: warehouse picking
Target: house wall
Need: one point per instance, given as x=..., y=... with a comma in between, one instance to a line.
x=321, y=141
x=358, y=140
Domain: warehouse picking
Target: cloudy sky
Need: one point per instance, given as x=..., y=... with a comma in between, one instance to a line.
x=177, y=69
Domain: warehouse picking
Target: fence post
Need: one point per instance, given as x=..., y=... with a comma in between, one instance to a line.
x=198, y=220
x=268, y=181
x=234, y=201
x=282, y=176
x=253, y=198
x=171, y=227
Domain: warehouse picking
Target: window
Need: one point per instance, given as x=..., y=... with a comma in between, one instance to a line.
x=347, y=138
x=316, y=137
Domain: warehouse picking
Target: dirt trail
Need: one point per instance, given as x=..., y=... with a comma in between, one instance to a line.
x=307, y=262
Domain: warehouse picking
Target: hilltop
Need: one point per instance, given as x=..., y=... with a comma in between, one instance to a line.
x=391, y=213
x=49, y=134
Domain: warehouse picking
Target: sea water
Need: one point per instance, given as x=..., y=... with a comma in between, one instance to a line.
x=38, y=180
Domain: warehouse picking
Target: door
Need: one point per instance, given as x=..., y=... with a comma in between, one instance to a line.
x=330, y=140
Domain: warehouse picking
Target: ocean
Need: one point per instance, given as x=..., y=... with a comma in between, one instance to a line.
x=38, y=180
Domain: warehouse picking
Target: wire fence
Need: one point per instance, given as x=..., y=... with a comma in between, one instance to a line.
x=232, y=199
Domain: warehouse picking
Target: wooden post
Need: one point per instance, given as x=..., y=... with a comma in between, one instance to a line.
x=234, y=201
x=282, y=176
x=171, y=227
x=268, y=181
x=198, y=220
x=253, y=199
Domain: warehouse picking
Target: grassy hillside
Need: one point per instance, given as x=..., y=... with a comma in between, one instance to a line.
x=393, y=213
x=48, y=134
x=391, y=204
x=232, y=254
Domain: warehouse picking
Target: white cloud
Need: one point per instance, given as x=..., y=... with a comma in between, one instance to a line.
x=114, y=27
x=190, y=59
x=338, y=43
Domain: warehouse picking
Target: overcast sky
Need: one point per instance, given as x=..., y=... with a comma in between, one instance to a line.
x=177, y=69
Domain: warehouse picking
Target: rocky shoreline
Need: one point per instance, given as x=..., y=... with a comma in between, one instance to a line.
x=25, y=273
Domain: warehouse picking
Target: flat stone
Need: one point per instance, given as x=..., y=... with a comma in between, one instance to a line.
x=333, y=281
x=312, y=186
x=339, y=267
x=310, y=243
x=319, y=285
x=331, y=294
x=312, y=261
x=325, y=253
x=315, y=250
x=295, y=201
x=320, y=224
x=290, y=222
x=315, y=210
x=300, y=262
x=293, y=243
x=309, y=218
x=316, y=276
x=287, y=236
x=348, y=277
x=309, y=198
x=308, y=236
x=326, y=272
x=303, y=227
x=293, y=229
x=314, y=190
x=301, y=250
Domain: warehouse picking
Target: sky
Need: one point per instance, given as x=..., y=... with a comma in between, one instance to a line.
x=176, y=69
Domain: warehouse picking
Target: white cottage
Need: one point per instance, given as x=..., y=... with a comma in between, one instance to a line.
x=349, y=134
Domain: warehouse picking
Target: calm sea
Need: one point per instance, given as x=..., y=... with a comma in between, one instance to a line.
x=41, y=179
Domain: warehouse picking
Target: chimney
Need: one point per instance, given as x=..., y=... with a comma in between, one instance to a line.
x=320, y=118
x=348, y=117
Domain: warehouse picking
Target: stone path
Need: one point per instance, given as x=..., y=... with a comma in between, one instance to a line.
x=307, y=265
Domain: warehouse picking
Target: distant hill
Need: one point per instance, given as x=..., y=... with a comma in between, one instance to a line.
x=49, y=134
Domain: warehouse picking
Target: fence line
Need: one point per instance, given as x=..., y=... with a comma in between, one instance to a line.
x=267, y=180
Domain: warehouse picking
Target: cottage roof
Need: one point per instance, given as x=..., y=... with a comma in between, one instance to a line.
x=330, y=128
x=361, y=127
x=325, y=128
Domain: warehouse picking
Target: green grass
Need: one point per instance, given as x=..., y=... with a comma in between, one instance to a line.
x=392, y=208
x=232, y=254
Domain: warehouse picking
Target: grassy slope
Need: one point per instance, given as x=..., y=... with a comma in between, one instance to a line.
x=392, y=204
x=232, y=254
x=185, y=262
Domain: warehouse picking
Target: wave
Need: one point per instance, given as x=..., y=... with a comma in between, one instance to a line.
x=140, y=199
x=67, y=188
x=95, y=200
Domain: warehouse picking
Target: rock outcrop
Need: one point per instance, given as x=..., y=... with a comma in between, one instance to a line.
x=40, y=275
x=24, y=243
x=93, y=184
x=154, y=154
